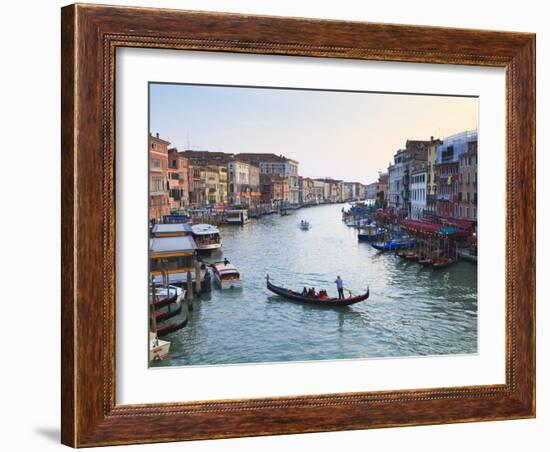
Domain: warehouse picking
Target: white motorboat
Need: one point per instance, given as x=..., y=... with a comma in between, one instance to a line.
x=226, y=275
x=207, y=237
x=158, y=349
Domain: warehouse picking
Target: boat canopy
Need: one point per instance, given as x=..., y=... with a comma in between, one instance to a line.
x=224, y=269
x=420, y=226
x=175, y=245
x=204, y=229
x=447, y=230
x=171, y=229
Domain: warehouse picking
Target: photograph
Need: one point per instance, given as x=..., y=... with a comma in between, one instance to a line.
x=291, y=224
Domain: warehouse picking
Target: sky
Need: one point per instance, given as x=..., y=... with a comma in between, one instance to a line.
x=343, y=135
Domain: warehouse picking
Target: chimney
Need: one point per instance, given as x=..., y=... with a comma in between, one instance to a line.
x=157, y=134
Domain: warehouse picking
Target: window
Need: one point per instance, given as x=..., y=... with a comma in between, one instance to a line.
x=467, y=212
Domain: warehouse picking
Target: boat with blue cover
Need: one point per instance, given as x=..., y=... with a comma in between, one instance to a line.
x=395, y=244
x=370, y=234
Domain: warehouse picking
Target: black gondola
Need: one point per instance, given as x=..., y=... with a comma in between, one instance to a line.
x=169, y=313
x=296, y=296
x=164, y=329
x=164, y=301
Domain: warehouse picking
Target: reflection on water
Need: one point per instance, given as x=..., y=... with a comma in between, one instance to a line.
x=412, y=310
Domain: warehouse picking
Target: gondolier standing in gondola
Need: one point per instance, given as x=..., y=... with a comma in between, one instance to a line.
x=340, y=287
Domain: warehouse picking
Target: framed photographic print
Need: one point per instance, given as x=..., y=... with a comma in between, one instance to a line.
x=282, y=225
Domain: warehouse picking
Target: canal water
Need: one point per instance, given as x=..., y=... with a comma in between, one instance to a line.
x=412, y=310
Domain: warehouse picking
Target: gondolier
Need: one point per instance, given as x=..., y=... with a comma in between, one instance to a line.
x=340, y=287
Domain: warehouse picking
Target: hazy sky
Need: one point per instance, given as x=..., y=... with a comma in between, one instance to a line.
x=343, y=135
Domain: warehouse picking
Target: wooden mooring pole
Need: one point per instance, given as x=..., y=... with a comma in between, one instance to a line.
x=189, y=292
x=198, y=278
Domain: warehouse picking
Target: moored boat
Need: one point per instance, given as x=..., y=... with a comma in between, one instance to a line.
x=411, y=255
x=207, y=237
x=442, y=262
x=165, y=295
x=394, y=244
x=330, y=301
x=158, y=349
x=226, y=275
x=236, y=216
x=165, y=328
x=370, y=234
x=168, y=312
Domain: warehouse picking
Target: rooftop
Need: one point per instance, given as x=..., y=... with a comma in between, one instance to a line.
x=261, y=157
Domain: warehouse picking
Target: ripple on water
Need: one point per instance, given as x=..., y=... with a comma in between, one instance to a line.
x=412, y=310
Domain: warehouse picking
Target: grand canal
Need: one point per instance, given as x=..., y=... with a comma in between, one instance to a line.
x=412, y=310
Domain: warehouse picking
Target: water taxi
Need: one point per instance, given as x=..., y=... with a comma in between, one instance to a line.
x=236, y=216
x=226, y=275
x=207, y=237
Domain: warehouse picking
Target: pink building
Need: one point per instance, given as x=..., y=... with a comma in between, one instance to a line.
x=159, y=199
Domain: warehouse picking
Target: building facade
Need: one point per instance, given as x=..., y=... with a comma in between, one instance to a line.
x=447, y=169
x=395, y=181
x=159, y=197
x=418, y=193
x=467, y=179
x=277, y=165
x=178, y=179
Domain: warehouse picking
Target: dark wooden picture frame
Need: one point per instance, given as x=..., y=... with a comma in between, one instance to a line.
x=90, y=35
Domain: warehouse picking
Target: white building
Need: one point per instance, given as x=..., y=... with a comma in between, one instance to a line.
x=238, y=182
x=418, y=192
x=277, y=165
x=395, y=181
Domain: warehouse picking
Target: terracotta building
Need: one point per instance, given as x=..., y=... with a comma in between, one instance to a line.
x=274, y=189
x=178, y=179
x=159, y=199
